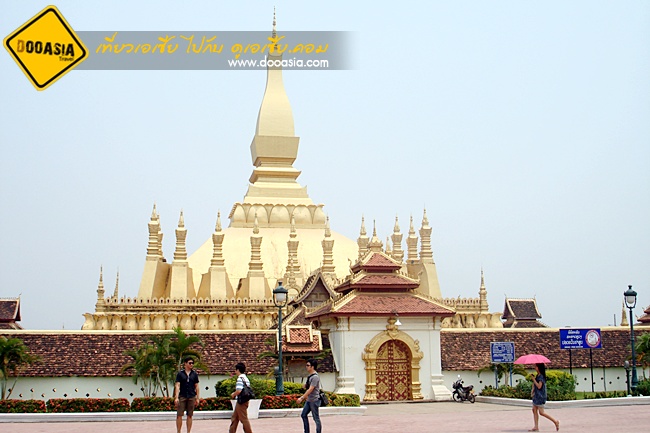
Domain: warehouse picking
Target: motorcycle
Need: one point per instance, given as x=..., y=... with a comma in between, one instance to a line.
x=463, y=393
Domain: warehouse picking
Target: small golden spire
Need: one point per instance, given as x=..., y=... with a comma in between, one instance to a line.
x=275, y=33
x=181, y=220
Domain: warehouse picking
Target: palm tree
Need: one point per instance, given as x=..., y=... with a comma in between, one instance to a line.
x=503, y=369
x=180, y=347
x=156, y=361
x=642, y=348
x=14, y=355
x=143, y=368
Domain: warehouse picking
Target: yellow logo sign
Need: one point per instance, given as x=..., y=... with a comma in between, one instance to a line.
x=45, y=47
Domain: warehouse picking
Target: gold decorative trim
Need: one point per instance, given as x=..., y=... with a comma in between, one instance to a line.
x=370, y=358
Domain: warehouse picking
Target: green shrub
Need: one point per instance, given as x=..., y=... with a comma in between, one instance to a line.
x=506, y=391
x=152, y=404
x=347, y=400
x=643, y=388
x=262, y=387
x=22, y=406
x=289, y=401
x=559, y=386
x=60, y=405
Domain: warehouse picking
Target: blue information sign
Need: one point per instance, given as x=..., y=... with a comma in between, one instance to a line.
x=502, y=352
x=580, y=338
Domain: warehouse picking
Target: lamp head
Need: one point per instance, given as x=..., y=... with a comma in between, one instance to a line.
x=630, y=297
x=280, y=295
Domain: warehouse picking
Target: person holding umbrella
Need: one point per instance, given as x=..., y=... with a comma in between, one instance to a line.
x=538, y=393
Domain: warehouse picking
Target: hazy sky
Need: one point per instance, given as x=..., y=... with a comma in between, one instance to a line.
x=523, y=127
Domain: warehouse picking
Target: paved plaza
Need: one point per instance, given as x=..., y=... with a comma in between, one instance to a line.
x=393, y=418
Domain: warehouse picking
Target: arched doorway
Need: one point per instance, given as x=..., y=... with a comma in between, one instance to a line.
x=392, y=351
x=393, y=372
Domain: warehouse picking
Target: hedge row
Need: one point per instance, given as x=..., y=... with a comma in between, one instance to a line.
x=155, y=404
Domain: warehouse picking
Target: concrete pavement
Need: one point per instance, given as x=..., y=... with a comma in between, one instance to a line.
x=394, y=418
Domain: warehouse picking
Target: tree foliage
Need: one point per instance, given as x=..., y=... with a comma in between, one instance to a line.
x=642, y=348
x=503, y=369
x=14, y=356
x=156, y=361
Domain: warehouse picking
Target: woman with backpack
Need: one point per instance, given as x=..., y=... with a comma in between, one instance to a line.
x=240, y=412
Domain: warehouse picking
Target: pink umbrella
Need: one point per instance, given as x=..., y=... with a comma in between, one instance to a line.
x=532, y=359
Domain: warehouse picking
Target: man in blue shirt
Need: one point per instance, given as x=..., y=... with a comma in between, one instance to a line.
x=186, y=393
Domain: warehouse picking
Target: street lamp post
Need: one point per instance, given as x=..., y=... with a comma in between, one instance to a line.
x=626, y=366
x=280, y=301
x=630, y=302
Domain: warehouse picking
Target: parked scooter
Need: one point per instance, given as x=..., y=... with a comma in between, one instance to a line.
x=463, y=393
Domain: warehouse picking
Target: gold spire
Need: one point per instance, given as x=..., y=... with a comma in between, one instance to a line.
x=153, y=248
x=180, y=254
x=412, y=244
x=389, y=252
x=293, y=267
x=117, y=283
x=274, y=33
x=426, y=255
x=398, y=253
x=256, y=249
x=100, y=286
x=328, y=232
x=375, y=244
x=217, y=244
x=363, y=240
x=482, y=293
x=328, y=250
x=624, y=321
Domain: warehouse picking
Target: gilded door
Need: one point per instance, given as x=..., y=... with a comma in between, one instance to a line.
x=393, y=372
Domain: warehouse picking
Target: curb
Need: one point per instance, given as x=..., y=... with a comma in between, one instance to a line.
x=596, y=402
x=162, y=416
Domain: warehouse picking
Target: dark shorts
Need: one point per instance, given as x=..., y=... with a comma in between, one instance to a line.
x=185, y=404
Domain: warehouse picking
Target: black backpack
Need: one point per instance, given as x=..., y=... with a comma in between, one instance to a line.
x=246, y=393
x=324, y=401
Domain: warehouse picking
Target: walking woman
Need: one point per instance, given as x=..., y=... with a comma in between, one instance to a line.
x=538, y=393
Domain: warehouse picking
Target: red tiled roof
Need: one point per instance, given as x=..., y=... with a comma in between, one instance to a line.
x=521, y=309
x=470, y=349
x=645, y=319
x=102, y=354
x=9, y=310
x=300, y=341
x=299, y=335
x=376, y=262
x=526, y=324
x=385, y=282
x=375, y=304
